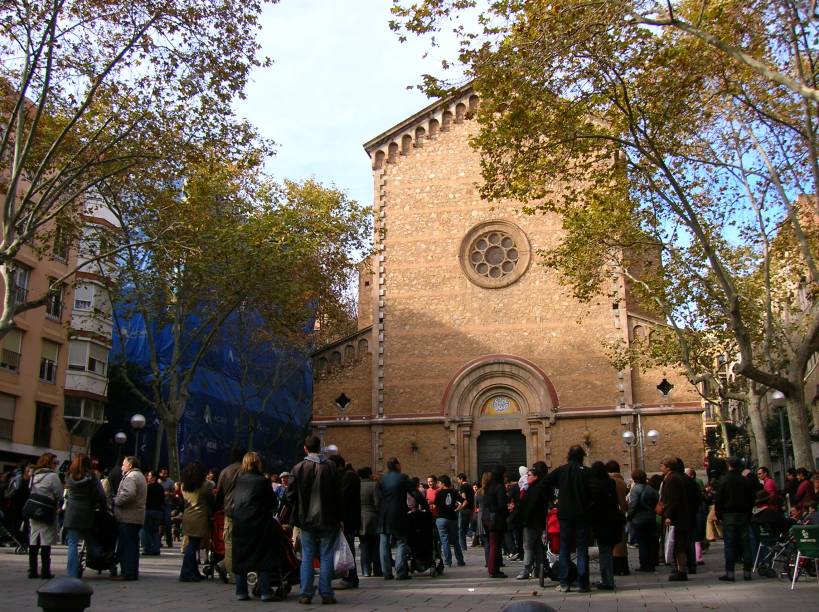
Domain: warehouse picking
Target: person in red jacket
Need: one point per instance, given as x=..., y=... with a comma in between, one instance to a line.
x=769, y=486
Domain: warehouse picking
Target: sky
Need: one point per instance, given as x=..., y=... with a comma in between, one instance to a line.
x=339, y=77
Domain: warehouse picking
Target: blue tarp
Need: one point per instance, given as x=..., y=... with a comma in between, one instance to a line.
x=239, y=377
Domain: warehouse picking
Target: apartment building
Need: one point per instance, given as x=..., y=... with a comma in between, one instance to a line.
x=53, y=368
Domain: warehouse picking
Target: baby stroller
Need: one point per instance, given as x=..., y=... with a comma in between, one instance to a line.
x=216, y=549
x=7, y=537
x=99, y=547
x=551, y=555
x=774, y=544
x=286, y=572
x=424, y=554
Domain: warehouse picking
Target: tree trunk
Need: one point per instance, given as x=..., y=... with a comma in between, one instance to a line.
x=800, y=431
x=160, y=431
x=173, y=447
x=251, y=427
x=760, y=442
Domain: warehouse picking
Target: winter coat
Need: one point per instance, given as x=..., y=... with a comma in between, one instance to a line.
x=314, y=493
x=675, y=501
x=574, y=500
x=494, y=506
x=734, y=495
x=227, y=481
x=804, y=495
x=197, y=513
x=129, y=502
x=392, y=503
x=255, y=545
x=621, y=491
x=534, y=504
x=369, y=508
x=606, y=518
x=81, y=499
x=351, y=501
x=45, y=482
x=641, y=502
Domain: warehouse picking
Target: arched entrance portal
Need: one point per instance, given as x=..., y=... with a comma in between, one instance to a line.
x=499, y=409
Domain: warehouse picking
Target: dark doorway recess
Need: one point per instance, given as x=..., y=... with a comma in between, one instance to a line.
x=506, y=447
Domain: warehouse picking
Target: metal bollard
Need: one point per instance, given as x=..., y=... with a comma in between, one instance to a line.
x=528, y=606
x=63, y=594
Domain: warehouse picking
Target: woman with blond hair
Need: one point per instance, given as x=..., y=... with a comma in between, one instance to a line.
x=46, y=493
x=254, y=504
x=83, y=495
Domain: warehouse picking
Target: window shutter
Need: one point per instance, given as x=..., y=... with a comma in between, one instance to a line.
x=13, y=340
x=51, y=350
x=7, y=403
x=98, y=352
x=76, y=353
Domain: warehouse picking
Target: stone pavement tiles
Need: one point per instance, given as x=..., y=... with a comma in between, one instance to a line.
x=460, y=589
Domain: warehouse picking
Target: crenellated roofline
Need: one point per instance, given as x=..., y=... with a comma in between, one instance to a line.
x=423, y=125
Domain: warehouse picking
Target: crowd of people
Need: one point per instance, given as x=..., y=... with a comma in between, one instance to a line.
x=671, y=517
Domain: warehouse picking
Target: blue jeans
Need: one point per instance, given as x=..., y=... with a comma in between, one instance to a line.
x=735, y=532
x=263, y=582
x=400, y=555
x=190, y=569
x=73, y=538
x=150, y=532
x=321, y=542
x=448, y=531
x=128, y=549
x=606, y=565
x=574, y=532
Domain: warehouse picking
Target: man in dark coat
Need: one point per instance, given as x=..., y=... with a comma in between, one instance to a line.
x=532, y=507
x=314, y=493
x=676, y=513
x=573, y=504
x=733, y=504
x=392, y=519
x=350, y=513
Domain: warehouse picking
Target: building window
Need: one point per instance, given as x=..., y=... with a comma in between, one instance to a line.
x=83, y=297
x=7, y=403
x=12, y=343
x=494, y=254
x=54, y=305
x=20, y=277
x=42, y=425
x=62, y=239
x=77, y=355
x=97, y=358
x=48, y=361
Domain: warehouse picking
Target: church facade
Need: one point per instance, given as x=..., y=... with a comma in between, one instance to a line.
x=469, y=352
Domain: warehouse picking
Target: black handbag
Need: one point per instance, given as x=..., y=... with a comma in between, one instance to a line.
x=40, y=508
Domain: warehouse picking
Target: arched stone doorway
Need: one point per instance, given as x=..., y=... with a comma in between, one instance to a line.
x=496, y=394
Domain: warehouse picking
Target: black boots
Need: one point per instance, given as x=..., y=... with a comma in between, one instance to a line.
x=45, y=558
x=45, y=562
x=33, y=549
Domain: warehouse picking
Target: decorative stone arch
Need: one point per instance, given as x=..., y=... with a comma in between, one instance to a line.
x=506, y=376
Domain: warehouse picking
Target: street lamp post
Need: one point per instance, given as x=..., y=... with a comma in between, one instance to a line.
x=778, y=401
x=137, y=423
x=632, y=439
x=120, y=438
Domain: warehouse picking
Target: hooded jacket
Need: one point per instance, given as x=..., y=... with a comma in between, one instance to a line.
x=314, y=492
x=82, y=497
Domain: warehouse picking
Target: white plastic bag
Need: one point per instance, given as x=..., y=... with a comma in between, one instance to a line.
x=669, y=545
x=343, y=560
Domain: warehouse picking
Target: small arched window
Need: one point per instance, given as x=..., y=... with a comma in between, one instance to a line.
x=392, y=153
x=378, y=161
x=363, y=347
x=446, y=121
x=460, y=112
x=434, y=126
x=420, y=133
x=406, y=144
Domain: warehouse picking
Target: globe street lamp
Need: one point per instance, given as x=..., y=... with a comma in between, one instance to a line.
x=120, y=438
x=137, y=423
x=632, y=439
x=778, y=401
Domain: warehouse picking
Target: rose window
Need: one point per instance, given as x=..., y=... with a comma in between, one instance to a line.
x=494, y=254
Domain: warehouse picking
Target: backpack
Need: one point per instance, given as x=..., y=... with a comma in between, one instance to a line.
x=17, y=489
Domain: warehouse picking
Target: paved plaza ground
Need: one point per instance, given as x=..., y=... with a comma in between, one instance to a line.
x=459, y=589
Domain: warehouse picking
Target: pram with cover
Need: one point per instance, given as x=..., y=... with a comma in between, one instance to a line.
x=286, y=572
x=7, y=536
x=216, y=546
x=98, y=551
x=424, y=555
